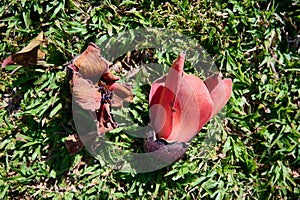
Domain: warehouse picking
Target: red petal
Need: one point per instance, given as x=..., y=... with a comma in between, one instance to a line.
x=220, y=91
x=155, y=85
x=179, y=63
x=228, y=87
x=171, y=80
x=195, y=104
x=181, y=104
x=161, y=112
x=162, y=99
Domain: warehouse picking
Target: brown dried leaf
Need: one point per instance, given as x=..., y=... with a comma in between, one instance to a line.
x=36, y=42
x=29, y=55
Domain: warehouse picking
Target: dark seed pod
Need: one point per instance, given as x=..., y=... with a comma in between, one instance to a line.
x=168, y=152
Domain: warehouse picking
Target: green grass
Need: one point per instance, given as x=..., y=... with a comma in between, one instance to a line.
x=257, y=156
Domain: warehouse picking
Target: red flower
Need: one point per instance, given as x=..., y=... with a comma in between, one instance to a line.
x=181, y=104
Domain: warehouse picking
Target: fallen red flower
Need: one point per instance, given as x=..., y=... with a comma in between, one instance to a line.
x=181, y=104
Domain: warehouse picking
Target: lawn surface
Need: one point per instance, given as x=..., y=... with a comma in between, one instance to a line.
x=257, y=153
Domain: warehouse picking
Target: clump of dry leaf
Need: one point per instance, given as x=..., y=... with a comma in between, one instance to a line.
x=31, y=54
x=95, y=90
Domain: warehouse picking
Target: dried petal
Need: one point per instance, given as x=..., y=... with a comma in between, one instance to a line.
x=92, y=87
x=109, y=78
x=121, y=93
x=85, y=93
x=90, y=63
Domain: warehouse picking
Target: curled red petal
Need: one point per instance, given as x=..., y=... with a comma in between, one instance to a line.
x=109, y=78
x=164, y=113
x=163, y=109
x=155, y=85
x=180, y=104
x=175, y=74
x=220, y=91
